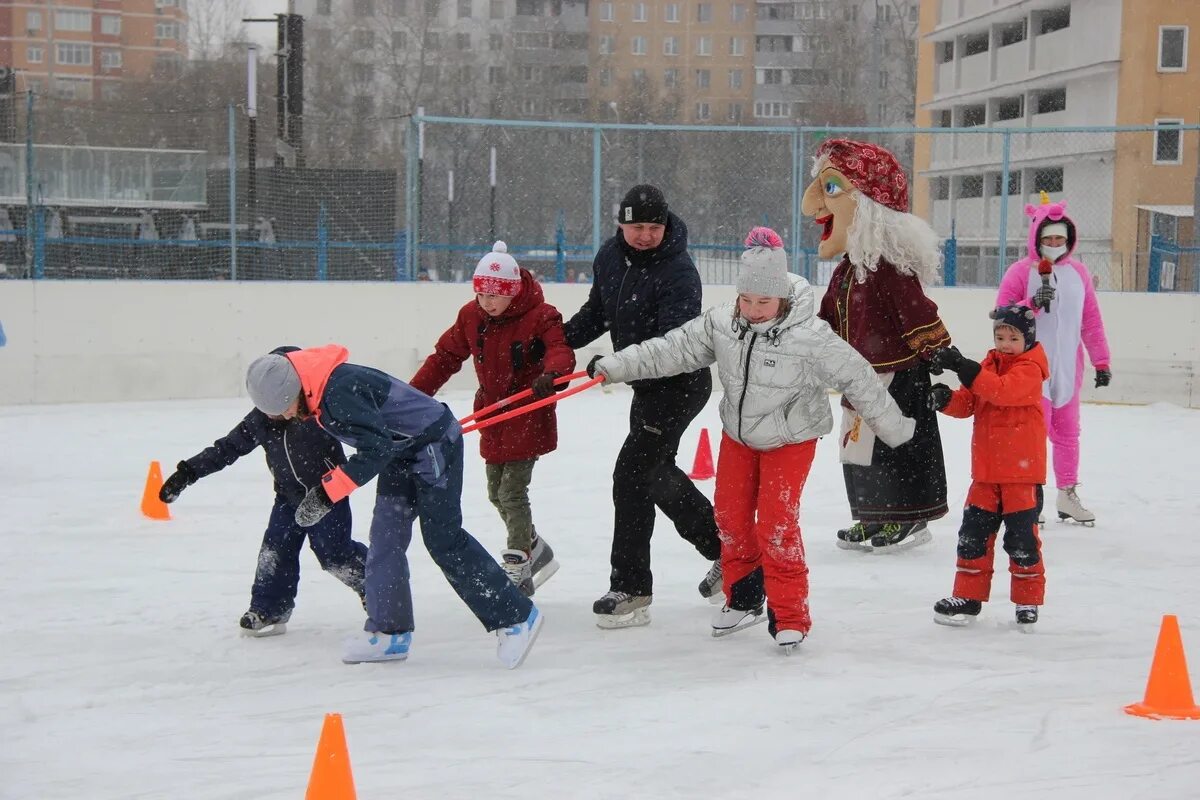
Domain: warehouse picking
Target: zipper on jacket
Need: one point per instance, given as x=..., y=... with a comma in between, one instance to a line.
x=621, y=288
x=745, y=383
x=288, y=454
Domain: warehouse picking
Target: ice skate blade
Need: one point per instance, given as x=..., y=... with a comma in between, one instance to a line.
x=750, y=623
x=953, y=620
x=364, y=659
x=545, y=574
x=1086, y=523
x=861, y=546
x=634, y=619
x=278, y=629
x=918, y=538
x=1026, y=627
x=788, y=649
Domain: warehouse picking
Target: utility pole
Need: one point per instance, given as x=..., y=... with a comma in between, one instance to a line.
x=252, y=132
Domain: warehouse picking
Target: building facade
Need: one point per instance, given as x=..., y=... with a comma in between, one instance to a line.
x=1019, y=64
x=83, y=49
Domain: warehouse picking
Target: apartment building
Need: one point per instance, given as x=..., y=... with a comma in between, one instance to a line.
x=1019, y=64
x=83, y=49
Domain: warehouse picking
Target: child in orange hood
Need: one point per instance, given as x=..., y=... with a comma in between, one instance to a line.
x=1008, y=465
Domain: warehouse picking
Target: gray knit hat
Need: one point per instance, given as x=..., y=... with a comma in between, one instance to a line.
x=764, y=268
x=273, y=384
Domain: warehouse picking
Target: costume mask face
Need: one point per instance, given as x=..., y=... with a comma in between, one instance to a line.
x=830, y=200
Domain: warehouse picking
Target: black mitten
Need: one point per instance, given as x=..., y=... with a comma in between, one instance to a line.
x=591, y=367
x=1103, y=377
x=938, y=397
x=183, y=477
x=966, y=369
x=543, y=385
x=313, y=508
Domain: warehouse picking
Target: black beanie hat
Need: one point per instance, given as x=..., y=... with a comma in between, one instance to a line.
x=1019, y=317
x=644, y=203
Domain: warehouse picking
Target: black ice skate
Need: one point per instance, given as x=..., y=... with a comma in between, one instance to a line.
x=710, y=587
x=856, y=537
x=257, y=624
x=895, y=536
x=1027, y=617
x=544, y=565
x=956, y=611
x=622, y=610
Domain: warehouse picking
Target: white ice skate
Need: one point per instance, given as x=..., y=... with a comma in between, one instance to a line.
x=730, y=620
x=622, y=610
x=517, y=566
x=787, y=641
x=514, y=643
x=375, y=646
x=1069, y=507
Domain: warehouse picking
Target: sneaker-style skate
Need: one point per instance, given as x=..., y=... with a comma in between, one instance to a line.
x=515, y=642
x=1069, y=507
x=543, y=565
x=517, y=566
x=257, y=624
x=622, y=610
x=376, y=646
x=710, y=587
x=956, y=611
x=788, y=640
x=856, y=537
x=894, y=536
x=1027, y=617
x=731, y=620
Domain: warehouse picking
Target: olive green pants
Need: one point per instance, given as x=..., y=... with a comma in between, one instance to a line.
x=508, y=489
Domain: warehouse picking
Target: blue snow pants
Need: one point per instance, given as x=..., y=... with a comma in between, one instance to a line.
x=428, y=487
x=278, y=574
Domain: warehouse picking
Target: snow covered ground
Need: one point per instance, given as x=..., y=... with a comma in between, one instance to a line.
x=122, y=674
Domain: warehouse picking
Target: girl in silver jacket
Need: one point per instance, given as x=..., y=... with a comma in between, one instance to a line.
x=776, y=361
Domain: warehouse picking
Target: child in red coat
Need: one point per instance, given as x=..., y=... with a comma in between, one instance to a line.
x=1008, y=466
x=516, y=340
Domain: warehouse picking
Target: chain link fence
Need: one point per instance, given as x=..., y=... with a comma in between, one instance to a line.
x=111, y=192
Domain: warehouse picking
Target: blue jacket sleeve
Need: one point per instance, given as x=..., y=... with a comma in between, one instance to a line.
x=357, y=408
x=229, y=448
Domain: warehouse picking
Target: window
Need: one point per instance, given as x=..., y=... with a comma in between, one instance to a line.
x=462, y=41
x=363, y=39
x=361, y=73
x=970, y=186
x=735, y=79
x=166, y=30
x=1051, y=100
x=703, y=111
x=432, y=7
x=770, y=77
x=529, y=105
x=1011, y=34
x=606, y=12
x=735, y=112
x=973, y=45
x=737, y=46
x=1047, y=179
x=638, y=46
x=737, y=13
x=34, y=54
x=606, y=76
x=773, y=44
x=972, y=116
x=704, y=46
x=771, y=110
x=110, y=59
x=495, y=41
x=399, y=8
x=364, y=105
x=604, y=45
x=810, y=77
x=1172, y=48
x=432, y=40
x=671, y=46
x=703, y=78
x=33, y=20
x=883, y=79
x=670, y=78
x=996, y=180
x=464, y=9
x=73, y=54
x=639, y=12
x=110, y=90
x=72, y=20
x=324, y=8
x=1055, y=20
x=1010, y=108
x=944, y=52
x=939, y=188
x=1168, y=143
x=496, y=9
x=704, y=12
x=529, y=73
x=638, y=76
x=531, y=41
x=399, y=40
x=364, y=8
x=110, y=25
x=73, y=88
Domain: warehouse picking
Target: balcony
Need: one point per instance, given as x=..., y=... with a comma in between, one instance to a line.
x=945, y=78
x=1012, y=62
x=975, y=72
x=1055, y=51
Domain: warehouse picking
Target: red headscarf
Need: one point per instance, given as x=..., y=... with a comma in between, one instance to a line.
x=874, y=171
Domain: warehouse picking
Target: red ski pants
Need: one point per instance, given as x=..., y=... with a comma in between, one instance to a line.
x=757, y=507
x=989, y=504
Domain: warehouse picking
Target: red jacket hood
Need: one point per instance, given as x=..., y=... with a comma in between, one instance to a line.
x=314, y=366
x=531, y=296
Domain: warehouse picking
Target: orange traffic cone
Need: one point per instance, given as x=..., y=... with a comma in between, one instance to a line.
x=152, y=507
x=1169, y=690
x=331, y=778
x=702, y=467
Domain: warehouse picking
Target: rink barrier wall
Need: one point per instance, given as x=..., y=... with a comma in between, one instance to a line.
x=101, y=341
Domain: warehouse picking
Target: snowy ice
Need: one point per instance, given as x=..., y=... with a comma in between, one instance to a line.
x=122, y=674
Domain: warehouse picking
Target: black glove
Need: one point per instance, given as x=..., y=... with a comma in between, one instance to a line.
x=183, y=477
x=1042, y=297
x=938, y=397
x=312, y=509
x=543, y=385
x=966, y=369
x=591, y=367
x=1103, y=377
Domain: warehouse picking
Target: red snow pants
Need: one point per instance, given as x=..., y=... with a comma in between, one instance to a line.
x=757, y=506
x=1017, y=506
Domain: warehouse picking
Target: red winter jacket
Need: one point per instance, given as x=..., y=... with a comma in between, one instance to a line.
x=1008, y=443
x=509, y=351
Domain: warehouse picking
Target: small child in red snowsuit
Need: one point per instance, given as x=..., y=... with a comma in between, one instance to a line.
x=516, y=340
x=1008, y=465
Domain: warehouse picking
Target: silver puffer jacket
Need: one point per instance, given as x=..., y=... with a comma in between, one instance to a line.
x=775, y=374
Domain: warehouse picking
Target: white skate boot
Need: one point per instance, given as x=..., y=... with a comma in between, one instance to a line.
x=1069, y=507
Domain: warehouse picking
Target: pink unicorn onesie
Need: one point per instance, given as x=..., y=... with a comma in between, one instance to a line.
x=1060, y=289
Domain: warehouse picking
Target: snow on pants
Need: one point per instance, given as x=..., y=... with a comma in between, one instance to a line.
x=429, y=487
x=277, y=577
x=646, y=476
x=1017, y=506
x=758, y=514
x=1062, y=428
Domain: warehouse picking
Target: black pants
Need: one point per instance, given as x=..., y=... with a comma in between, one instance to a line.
x=646, y=476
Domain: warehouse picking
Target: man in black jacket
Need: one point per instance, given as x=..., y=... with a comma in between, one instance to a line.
x=644, y=285
x=298, y=454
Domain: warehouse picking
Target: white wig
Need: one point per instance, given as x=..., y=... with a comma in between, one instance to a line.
x=905, y=241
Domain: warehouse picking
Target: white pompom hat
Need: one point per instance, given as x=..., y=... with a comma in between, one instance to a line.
x=498, y=273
